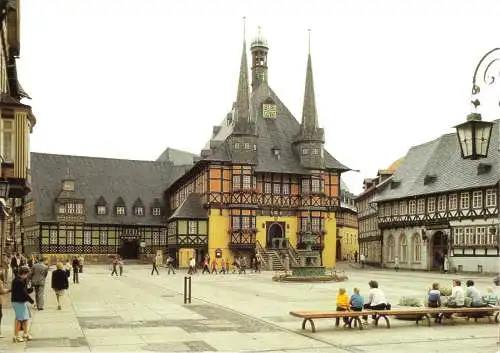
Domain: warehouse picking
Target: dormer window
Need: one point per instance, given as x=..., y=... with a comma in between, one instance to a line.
x=156, y=211
x=101, y=210
x=139, y=211
x=247, y=146
x=70, y=208
x=254, y=147
x=237, y=146
x=305, y=151
x=315, y=151
x=79, y=208
x=269, y=111
x=120, y=210
x=62, y=209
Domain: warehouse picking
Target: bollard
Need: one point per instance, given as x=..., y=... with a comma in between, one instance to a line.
x=187, y=289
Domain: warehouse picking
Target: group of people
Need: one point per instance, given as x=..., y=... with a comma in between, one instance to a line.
x=222, y=266
x=28, y=281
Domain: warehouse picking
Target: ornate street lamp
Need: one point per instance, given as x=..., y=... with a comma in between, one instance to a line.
x=474, y=135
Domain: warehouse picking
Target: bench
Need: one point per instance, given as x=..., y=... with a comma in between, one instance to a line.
x=417, y=314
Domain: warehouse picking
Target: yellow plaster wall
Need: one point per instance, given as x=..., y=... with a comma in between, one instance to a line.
x=349, y=242
x=291, y=230
x=330, y=240
x=184, y=255
x=218, y=237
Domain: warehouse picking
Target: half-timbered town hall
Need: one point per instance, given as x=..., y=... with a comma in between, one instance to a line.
x=262, y=181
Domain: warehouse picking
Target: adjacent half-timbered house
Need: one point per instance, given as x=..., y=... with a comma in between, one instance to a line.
x=438, y=204
x=347, y=226
x=264, y=178
x=96, y=207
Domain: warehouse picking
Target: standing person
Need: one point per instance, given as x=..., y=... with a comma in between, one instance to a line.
x=120, y=265
x=59, y=283
x=15, y=262
x=38, y=276
x=362, y=260
x=257, y=263
x=67, y=268
x=170, y=265
x=222, y=266
x=20, y=299
x=214, y=266
x=356, y=256
x=80, y=259
x=446, y=264
x=3, y=291
x=154, y=267
x=114, y=265
x=76, y=270
x=205, y=265
x=396, y=263
x=227, y=266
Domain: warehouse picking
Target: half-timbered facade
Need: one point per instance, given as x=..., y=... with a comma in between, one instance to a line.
x=438, y=204
x=347, y=226
x=264, y=178
x=96, y=207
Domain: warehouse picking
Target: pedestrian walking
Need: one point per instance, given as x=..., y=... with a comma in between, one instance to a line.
x=76, y=270
x=15, y=262
x=115, y=265
x=170, y=265
x=20, y=299
x=154, y=267
x=67, y=268
x=205, y=265
x=39, y=274
x=362, y=260
x=356, y=256
x=222, y=266
x=80, y=260
x=192, y=266
x=59, y=283
x=120, y=265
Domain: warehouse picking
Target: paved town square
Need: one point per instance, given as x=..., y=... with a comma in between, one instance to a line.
x=144, y=313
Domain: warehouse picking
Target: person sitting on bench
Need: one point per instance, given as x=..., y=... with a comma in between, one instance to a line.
x=434, y=296
x=473, y=293
x=376, y=300
x=457, y=299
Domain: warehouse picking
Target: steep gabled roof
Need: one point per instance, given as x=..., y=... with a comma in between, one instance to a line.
x=98, y=180
x=279, y=132
x=441, y=165
x=191, y=208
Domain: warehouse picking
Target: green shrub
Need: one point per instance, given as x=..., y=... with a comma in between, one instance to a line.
x=410, y=301
x=445, y=292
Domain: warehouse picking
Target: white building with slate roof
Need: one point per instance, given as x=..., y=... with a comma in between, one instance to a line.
x=438, y=205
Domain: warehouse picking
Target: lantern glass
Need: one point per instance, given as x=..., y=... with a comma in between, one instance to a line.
x=474, y=138
x=4, y=189
x=482, y=137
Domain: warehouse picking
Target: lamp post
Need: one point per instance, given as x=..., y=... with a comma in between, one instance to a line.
x=474, y=135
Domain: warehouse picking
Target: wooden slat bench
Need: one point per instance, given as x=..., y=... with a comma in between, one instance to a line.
x=416, y=314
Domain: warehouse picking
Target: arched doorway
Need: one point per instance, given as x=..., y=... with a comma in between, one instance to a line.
x=274, y=230
x=439, y=250
x=338, y=251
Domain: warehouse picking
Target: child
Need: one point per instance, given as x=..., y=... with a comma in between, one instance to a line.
x=434, y=296
x=491, y=298
x=356, y=301
x=342, y=302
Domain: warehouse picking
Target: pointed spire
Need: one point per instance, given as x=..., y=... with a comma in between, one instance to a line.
x=309, y=114
x=243, y=95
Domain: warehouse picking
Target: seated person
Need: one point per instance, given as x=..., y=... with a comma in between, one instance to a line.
x=473, y=293
x=457, y=297
x=376, y=300
x=434, y=296
x=356, y=302
x=491, y=298
x=342, y=302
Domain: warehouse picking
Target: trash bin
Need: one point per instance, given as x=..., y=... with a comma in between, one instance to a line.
x=460, y=268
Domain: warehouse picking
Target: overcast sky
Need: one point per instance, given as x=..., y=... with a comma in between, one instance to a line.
x=126, y=79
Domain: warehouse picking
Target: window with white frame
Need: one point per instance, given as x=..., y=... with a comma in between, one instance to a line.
x=87, y=237
x=493, y=238
x=53, y=237
x=236, y=182
x=70, y=208
x=103, y=238
x=417, y=248
x=267, y=188
x=390, y=248
x=458, y=236
x=315, y=185
x=464, y=200
x=381, y=210
x=120, y=210
x=8, y=137
x=79, y=208
x=403, y=208
x=388, y=209
x=403, y=248
x=469, y=235
x=156, y=238
x=431, y=205
x=70, y=237
x=235, y=222
x=192, y=227
x=277, y=188
x=442, y=203
x=421, y=206
x=286, y=189
x=101, y=210
x=481, y=235
x=247, y=182
x=156, y=211
x=306, y=186
x=477, y=199
x=245, y=222
x=395, y=208
x=452, y=201
x=139, y=211
x=412, y=206
x=491, y=198
x=62, y=209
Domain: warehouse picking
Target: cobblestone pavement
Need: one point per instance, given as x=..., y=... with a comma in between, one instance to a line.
x=143, y=313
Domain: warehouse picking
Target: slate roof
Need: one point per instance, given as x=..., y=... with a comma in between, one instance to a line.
x=191, y=208
x=102, y=179
x=177, y=157
x=441, y=158
x=279, y=132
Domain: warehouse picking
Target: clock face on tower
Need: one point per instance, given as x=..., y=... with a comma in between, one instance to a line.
x=269, y=111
